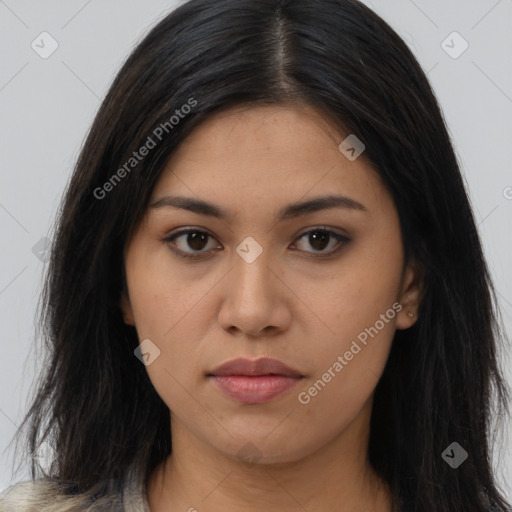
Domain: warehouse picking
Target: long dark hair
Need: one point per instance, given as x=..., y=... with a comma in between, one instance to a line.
x=96, y=405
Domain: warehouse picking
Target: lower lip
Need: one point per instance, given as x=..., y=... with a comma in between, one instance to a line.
x=254, y=390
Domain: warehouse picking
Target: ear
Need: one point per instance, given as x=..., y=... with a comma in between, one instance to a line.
x=126, y=309
x=411, y=294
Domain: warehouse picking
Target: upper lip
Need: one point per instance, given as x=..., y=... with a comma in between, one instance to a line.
x=255, y=367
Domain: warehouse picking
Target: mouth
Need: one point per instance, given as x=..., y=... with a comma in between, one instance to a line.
x=254, y=381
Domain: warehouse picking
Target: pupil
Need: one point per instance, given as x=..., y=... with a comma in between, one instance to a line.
x=195, y=242
x=318, y=240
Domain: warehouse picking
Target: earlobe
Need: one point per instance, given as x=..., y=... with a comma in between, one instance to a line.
x=126, y=309
x=412, y=292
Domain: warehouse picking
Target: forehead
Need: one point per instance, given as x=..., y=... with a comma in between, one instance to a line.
x=270, y=131
x=265, y=156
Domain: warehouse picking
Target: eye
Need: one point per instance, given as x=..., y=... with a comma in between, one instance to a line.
x=192, y=243
x=320, y=238
x=189, y=239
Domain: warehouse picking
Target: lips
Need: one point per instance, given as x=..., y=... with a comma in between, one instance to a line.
x=254, y=381
x=255, y=367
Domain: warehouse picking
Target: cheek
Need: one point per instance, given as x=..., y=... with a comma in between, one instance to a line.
x=175, y=371
x=346, y=375
x=172, y=308
x=169, y=315
x=352, y=294
x=359, y=305
x=348, y=367
x=161, y=294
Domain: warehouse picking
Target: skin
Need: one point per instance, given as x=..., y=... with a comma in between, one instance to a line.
x=287, y=304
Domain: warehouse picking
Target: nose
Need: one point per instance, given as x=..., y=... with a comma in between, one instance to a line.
x=256, y=300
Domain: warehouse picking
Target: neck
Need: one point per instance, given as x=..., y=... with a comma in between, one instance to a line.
x=337, y=477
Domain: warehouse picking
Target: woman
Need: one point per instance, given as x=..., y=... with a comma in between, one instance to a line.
x=267, y=290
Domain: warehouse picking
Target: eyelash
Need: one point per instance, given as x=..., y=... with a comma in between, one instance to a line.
x=342, y=241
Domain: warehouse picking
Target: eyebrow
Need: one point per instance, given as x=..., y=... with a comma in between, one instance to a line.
x=288, y=212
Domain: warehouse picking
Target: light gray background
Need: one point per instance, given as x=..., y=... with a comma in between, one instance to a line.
x=47, y=106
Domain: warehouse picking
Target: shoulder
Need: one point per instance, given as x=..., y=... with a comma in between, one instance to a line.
x=44, y=495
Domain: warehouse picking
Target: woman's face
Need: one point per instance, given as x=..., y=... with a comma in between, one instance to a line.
x=321, y=288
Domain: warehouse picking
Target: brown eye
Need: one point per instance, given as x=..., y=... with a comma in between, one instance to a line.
x=190, y=243
x=321, y=239
x=196, y=241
